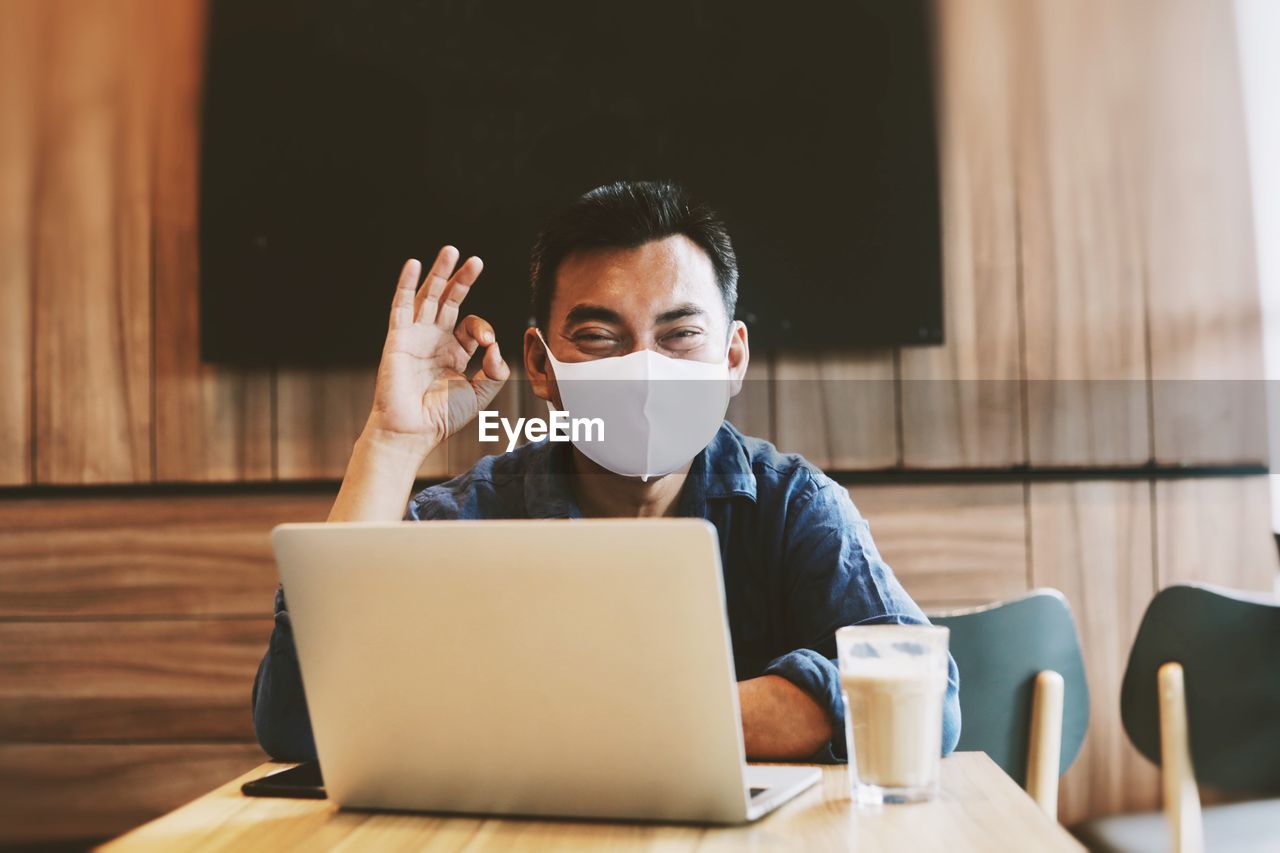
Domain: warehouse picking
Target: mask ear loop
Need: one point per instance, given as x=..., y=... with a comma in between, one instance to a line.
x=551, y=407
x=550, y=358
x=545, y=348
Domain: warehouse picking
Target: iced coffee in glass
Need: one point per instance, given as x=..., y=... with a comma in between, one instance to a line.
x=894, y=679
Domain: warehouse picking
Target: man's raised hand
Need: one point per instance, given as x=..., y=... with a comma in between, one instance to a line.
x=423, y=394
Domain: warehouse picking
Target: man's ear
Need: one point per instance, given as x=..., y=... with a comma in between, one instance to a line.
x=536, y=365
x=739, y=355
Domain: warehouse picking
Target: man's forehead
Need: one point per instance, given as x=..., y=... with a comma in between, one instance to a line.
x=657, y=278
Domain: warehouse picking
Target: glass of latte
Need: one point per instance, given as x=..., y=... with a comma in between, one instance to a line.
x=894, y=679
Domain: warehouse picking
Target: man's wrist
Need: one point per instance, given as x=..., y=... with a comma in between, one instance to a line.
x=379, y=478
x=404, y=448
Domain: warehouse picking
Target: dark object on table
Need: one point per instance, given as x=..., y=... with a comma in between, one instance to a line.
x=303, y=781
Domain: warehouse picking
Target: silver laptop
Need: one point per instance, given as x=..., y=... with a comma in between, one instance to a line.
x=555, y=668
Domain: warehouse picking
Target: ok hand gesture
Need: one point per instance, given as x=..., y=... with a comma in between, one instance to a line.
x=422, y=394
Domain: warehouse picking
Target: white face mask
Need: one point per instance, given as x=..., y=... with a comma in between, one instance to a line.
x=658, y=412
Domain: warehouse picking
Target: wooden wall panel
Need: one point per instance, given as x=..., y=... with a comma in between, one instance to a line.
x=21, y=44
x=136, y=681
x=962, y=402
x=1078, y=223
x=1204, y=309
x=319, y=415
x=65, y=792
x=1216, y=531
x=839, y=410
x=148, y=556
x=93, y=247
x=1092, y=541
x=212, y=423
x=953, y=544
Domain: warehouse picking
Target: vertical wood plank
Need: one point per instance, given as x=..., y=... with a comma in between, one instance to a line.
x=1092, y=540
x=1079, y=199
x=319, y=416
x=838, y=409
x=93, y=247
x=1216, y=530
x=212, y=422
x=21, y=47
x=962, y=402
x=1205, y=313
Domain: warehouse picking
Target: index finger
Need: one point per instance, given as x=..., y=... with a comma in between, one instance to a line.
x=473, y=332
x=402, y=302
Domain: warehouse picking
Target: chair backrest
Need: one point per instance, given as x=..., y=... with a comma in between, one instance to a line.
x=999, y=649
x=1228, y=643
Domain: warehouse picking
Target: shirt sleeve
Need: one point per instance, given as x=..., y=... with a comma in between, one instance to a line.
x=835, y=576
x=280, y=717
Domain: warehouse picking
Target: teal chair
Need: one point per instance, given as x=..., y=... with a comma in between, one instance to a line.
x=1024, y=699
x=1201, y=698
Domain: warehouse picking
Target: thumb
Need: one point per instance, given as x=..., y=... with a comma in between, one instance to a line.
x=492, y=375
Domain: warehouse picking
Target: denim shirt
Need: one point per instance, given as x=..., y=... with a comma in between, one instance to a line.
x=797, y=557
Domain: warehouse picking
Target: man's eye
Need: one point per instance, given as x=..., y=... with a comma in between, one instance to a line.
x=595, y=343
x=682, y=339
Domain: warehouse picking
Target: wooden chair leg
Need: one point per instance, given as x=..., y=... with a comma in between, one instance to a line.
x=1181, y=797
x=1045, y=749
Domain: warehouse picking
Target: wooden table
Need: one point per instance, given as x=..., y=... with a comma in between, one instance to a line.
x=980, y=808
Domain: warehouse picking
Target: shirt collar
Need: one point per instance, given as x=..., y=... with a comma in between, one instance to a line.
x=721, y=470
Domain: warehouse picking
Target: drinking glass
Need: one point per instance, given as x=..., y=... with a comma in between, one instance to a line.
x=894, y=679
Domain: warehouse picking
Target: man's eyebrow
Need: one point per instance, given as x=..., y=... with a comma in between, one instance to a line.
x=679, y=313
x=584, y=312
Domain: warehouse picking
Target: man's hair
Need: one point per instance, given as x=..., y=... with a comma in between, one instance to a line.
x=626, y=215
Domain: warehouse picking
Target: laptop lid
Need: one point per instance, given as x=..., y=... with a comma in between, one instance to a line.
x=571, y=668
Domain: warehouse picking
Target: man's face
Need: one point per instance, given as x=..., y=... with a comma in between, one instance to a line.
x=661, y=296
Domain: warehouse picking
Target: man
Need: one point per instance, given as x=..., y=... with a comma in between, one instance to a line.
x=629, y=268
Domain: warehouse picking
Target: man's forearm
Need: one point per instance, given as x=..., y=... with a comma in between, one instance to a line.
x=779, y=720
x=378, y=481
